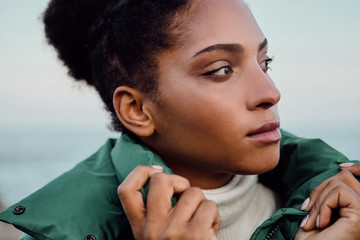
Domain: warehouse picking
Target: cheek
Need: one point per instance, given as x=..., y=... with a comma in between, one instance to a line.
x=203, y=112
x=192, y=120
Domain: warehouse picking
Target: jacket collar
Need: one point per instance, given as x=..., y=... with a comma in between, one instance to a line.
x=127, y=155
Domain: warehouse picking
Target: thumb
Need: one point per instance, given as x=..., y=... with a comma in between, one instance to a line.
x=354, y=168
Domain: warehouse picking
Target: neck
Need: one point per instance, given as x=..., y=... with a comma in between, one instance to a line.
x=198, y=175
x=201, y=177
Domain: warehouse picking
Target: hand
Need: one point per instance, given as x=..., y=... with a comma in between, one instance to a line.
x=339, y=192
x=193, y=216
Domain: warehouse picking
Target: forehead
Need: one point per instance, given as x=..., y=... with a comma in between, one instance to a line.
x=212, y=22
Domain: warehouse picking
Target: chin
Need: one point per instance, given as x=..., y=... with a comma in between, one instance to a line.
x=271, y=165
x=261, y=162
x=270, y=161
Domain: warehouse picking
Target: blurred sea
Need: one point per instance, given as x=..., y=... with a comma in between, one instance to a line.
x=30, y=159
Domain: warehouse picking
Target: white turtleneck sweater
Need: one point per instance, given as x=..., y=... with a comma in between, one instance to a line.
x=243, y=205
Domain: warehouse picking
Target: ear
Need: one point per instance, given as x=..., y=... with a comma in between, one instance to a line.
x=132, y=111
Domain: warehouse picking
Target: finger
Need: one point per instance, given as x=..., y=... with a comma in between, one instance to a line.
x=311, y=200
x=344, y=176
x=339, y=197
x=129, y=192
x=320, y=192
x=350, y=180
x=207, y=217
x=301, y=234
x=196, y=214
x=354, y=168
x=187, y=204
x=309, y=222
x=162, y=187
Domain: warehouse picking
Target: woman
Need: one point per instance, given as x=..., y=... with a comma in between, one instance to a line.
x=187, y=83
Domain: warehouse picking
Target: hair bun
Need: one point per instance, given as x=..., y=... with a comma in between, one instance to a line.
x=67, y=24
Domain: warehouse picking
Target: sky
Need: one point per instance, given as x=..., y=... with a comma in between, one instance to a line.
x=315, y=44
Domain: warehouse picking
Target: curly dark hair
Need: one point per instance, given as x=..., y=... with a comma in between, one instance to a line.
x=111, y=43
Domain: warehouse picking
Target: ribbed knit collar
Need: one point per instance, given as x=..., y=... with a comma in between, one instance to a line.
x=243, y=204
x=233, y=198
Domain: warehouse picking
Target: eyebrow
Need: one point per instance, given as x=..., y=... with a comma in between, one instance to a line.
x=263, y=44
x=230, y=47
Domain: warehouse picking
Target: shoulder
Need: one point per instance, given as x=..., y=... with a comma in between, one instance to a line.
x=81, y=202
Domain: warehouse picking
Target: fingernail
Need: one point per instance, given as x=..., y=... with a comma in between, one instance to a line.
x=157, y=167
x=318, y=221
x=305, y=204
x=304, y=221
x=346, y=164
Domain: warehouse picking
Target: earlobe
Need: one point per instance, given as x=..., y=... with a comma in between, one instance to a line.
x=131, y=110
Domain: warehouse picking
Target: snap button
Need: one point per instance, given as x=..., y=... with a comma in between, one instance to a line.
x=90, y=237
x=19, y=210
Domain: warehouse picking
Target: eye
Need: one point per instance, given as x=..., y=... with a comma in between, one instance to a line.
x=265, y=64
x=219, y=72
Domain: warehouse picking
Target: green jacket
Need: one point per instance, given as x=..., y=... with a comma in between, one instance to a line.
x=83, y=203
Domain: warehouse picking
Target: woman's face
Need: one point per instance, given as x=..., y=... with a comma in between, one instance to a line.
x=218, y=110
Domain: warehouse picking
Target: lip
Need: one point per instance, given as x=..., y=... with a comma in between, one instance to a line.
x=267, y=133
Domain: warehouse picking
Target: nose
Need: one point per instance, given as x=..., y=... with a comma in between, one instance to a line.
x=262, y=91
